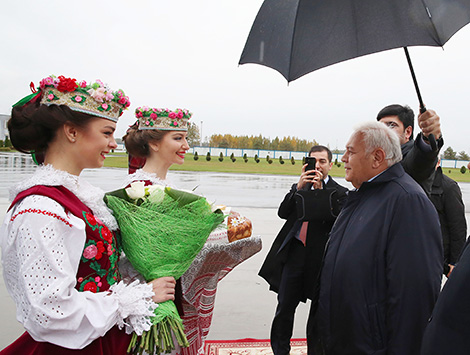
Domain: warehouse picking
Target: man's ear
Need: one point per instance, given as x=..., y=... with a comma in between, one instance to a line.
x=408, y=132
x=378, y=158
x=71, y=132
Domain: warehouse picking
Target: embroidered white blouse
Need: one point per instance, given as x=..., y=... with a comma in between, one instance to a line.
x=41, y=255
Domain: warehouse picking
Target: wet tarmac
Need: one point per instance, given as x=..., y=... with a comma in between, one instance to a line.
x=244, y=305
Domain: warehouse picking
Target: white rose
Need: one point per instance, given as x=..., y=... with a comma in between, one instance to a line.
x=137, y=190
x=156, y=193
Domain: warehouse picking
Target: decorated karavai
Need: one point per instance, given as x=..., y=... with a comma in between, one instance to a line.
x=60, y=254
x=158, y=139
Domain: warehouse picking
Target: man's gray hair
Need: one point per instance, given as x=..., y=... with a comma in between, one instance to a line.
x=378, y=135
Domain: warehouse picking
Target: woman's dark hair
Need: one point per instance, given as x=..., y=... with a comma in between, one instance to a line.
x=137, y=141
x=33, y=126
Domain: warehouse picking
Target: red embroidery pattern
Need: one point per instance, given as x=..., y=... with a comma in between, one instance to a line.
x=46, y=213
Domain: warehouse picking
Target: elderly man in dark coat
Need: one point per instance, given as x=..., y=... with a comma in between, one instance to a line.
x=383, y=265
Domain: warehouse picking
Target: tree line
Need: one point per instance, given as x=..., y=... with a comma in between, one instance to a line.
x=250, y=142
x=450, y=154
x=259, y=142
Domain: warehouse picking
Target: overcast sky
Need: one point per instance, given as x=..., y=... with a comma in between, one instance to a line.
x=185, y=53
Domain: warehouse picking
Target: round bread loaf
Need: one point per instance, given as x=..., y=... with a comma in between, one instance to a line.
x=239, y=227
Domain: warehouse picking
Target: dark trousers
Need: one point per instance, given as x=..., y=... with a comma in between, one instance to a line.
x=314, y=344
x=291, y=292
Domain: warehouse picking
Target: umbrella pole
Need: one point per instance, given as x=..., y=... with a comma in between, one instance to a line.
x=422, y=108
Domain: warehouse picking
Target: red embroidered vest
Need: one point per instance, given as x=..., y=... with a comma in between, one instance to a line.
x=97, y=270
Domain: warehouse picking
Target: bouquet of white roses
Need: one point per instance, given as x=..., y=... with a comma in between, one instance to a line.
x=162, y=231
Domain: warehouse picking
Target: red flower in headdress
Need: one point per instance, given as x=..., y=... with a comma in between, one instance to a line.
x=66, y=84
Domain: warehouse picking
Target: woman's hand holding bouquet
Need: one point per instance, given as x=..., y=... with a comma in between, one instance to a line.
x=164, y=289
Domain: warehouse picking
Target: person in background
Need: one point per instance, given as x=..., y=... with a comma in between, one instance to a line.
x=419, y=159
x=449, y=325
x=59, y=249
x=383, y=264
x=447, y=198
x=292, y=265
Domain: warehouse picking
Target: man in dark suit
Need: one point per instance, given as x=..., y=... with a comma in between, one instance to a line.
x=293, y=263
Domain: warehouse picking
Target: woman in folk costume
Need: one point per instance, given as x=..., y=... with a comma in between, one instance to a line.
x=157, y=141
x=59, y=249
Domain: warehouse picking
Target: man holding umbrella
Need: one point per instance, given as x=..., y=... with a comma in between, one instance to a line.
x=419, y=158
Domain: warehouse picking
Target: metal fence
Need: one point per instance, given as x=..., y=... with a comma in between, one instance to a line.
x=250, y=153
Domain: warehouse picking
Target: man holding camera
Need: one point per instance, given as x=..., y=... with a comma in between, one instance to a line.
x=293, y=263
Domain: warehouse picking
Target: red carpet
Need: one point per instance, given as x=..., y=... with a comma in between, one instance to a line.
x=250, y=347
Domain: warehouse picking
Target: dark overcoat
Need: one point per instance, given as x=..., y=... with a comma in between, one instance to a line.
x=317, y=236
x=448, y=331
x=382, y=269
x=446, y=196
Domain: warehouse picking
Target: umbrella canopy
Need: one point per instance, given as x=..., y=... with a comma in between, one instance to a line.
x=296, y=37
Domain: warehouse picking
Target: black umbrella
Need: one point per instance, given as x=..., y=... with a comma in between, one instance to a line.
x=296, y=37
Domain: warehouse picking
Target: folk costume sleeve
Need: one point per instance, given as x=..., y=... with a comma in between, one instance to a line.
x=42, y=246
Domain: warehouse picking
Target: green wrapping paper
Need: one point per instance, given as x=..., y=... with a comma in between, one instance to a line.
x=161, y=237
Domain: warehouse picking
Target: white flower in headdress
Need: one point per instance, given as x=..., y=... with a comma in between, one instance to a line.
x=98, y=94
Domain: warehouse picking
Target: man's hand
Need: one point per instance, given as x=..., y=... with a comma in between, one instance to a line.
x=314, y=177
x=429, y=122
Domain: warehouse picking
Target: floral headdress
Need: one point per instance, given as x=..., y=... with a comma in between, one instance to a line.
x=95, y=99
x=163, y=119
